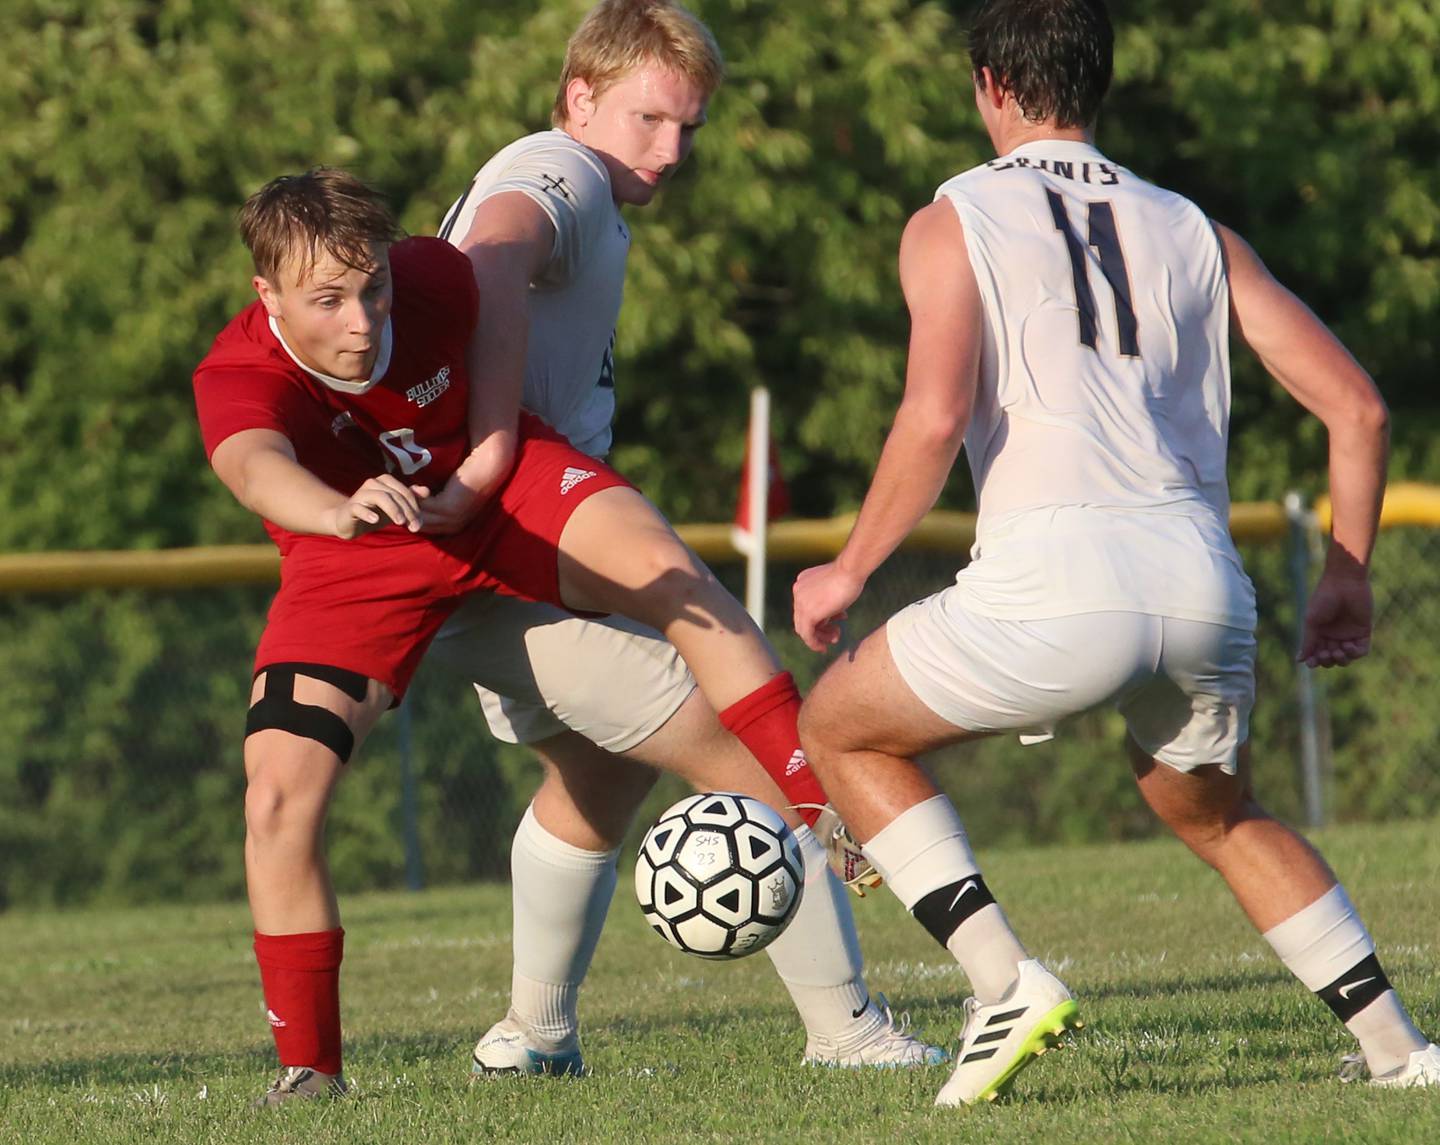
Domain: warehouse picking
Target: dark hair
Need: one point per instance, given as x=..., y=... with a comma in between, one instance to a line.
x=324, y=209
x=1054, y=56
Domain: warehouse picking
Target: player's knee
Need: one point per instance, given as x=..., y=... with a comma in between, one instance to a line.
x=817, y=737
x=1203, y=836
x=673, y=583
x=612, y=791
x=632, y=786
x=271, y=812
x=1206, y=828
x=825, y=729
x=674, y=570
x=288, y=790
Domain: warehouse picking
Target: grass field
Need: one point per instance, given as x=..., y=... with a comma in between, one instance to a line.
x=145, y=1025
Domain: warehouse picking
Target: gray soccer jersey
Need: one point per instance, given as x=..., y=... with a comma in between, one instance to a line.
x=1098, y=436
x=569, y=370
x=537, y=669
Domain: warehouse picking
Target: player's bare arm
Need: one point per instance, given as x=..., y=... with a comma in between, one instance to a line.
x=1316, y=369
x=258, y=466
x=508, y=244
x=940, y=378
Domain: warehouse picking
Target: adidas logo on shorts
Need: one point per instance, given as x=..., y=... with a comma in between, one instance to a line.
x=572, y=477
x=797, y=761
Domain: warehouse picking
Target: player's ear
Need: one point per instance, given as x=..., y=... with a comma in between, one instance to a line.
x=579, y=102
x=989, y=88
x=269, y=296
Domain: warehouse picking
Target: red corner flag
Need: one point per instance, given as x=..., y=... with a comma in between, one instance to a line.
x=777, y=504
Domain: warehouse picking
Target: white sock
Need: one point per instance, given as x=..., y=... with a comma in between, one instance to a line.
x=1319, y=944
x=560, y=897
x=818, y=956
x=925, y=848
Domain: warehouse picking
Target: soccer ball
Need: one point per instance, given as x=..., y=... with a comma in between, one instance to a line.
x=719, y=875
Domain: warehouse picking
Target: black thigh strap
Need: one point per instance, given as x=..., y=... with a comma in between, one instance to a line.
x=278, y=709
x=352, y=684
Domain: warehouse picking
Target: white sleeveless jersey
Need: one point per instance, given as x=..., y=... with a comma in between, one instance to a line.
x=574, y=304
x=1098, y=436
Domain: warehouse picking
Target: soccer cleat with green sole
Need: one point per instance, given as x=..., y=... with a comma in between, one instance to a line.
x=1001, y=1039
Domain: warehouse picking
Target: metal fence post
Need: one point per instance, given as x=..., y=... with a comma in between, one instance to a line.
x=409, y=799
x=758, y=510
x=1309, y=692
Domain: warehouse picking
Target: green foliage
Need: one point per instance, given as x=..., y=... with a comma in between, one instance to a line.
x=1305, y=125
x=134, y=129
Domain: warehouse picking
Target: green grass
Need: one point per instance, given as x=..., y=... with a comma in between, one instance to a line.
x=146, y=1025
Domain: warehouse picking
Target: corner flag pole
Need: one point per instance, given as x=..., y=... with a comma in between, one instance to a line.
x=759, y=481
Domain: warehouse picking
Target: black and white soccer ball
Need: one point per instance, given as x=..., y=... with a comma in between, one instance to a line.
x=719, y=875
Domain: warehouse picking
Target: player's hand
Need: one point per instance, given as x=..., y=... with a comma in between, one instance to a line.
x=450, y=510
x=822, y=595
x=1337, y=622
x=381, y=501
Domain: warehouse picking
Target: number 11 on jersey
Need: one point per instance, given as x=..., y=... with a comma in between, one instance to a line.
x=1104, y=237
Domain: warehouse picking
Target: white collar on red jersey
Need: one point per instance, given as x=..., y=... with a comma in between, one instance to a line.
x=382, y=363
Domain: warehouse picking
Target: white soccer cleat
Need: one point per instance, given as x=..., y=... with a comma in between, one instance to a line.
x=1001, y=1039
x=850, y=864
x=510, y=1047
x=876, y=1040
x=1423, y=1069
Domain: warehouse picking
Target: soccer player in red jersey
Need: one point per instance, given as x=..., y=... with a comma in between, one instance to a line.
x=338, y=407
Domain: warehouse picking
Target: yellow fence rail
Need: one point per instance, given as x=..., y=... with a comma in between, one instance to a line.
x=940, y=531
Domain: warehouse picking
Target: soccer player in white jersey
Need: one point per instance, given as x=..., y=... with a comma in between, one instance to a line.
x=604, y=702
x=1069, y=324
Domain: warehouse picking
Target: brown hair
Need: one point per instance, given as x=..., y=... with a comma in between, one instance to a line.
x=618, y=36
x=1054, y=56
x=325, y=209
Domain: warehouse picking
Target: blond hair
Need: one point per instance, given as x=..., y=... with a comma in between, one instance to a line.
x=325, y=209
x=618, y=36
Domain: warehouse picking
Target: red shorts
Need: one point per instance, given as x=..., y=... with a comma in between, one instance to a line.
x=374, y=608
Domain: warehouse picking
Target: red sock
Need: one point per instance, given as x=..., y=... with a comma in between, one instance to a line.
x=764, y=721
x=301, y=977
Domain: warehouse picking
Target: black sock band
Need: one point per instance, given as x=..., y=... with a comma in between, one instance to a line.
x=942, y=912
x=1355, y=989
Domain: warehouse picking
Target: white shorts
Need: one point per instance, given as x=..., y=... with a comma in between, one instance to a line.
x=1185, y=687
x=540, y=670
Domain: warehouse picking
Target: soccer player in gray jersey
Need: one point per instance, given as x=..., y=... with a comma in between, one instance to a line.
x=603, y=703
x=1069, y=325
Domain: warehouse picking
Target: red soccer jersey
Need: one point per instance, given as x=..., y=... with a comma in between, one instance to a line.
x=413, y=423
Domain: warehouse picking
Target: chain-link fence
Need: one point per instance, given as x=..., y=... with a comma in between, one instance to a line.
x=121, y=714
